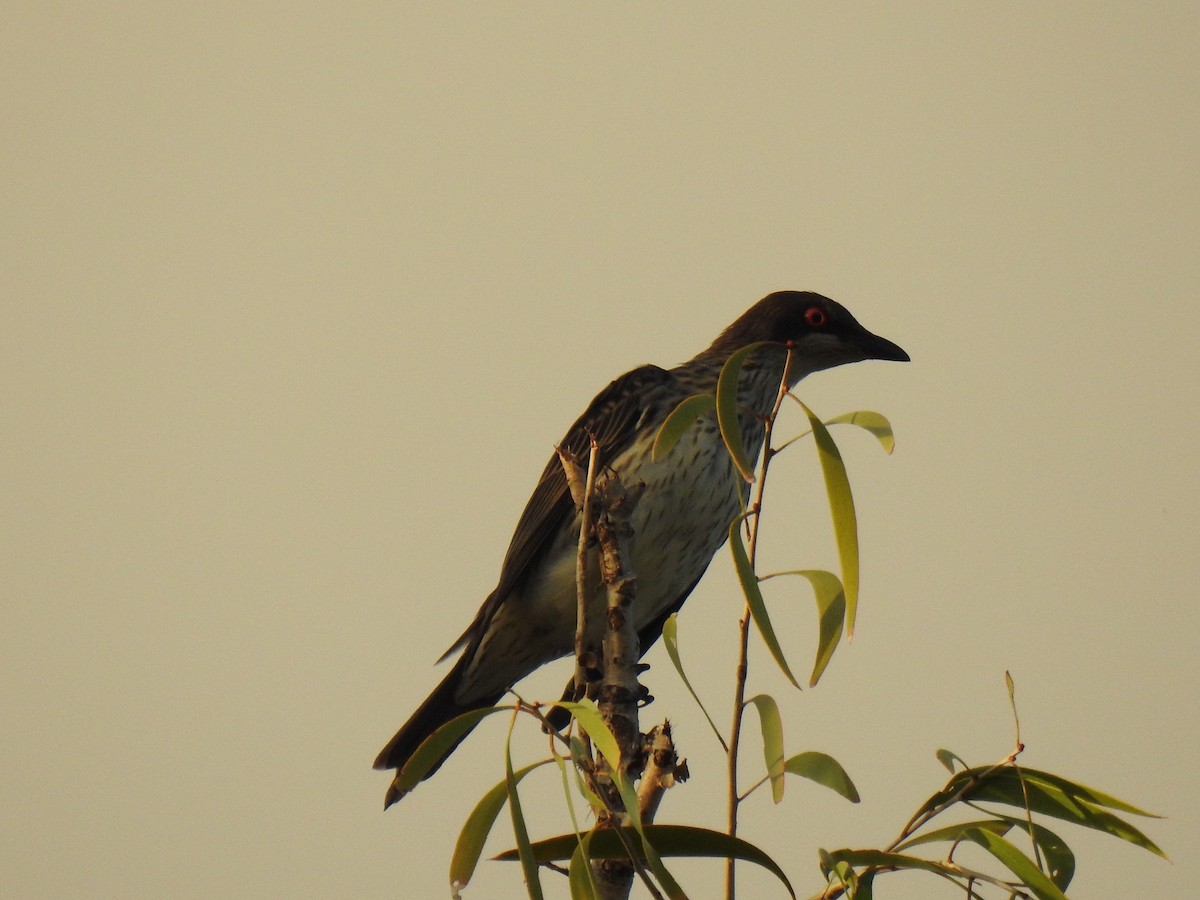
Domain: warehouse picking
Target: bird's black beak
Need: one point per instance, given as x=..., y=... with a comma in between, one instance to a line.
x=875, y=347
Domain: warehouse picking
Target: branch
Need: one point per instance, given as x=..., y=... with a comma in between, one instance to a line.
x=619, y=688
x=582, y=489
x=663, y=769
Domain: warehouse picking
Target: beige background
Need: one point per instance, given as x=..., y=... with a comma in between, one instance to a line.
x=298, y=298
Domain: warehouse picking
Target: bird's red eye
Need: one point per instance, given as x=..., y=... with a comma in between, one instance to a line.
x=816, y=317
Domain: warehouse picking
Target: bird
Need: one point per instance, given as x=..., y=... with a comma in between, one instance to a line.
x=686, y=503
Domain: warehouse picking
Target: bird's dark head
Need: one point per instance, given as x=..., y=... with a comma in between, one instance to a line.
x=822, y=332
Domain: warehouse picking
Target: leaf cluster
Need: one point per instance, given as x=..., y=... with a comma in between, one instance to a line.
x=1006, y=803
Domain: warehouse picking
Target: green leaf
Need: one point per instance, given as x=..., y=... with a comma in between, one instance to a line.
x=772, y=737
x=955, y=832
x=589, y=718
x=873, y=422
x=579, y=873
x=1049, y=795
x=838, y=873
x=1091, y=795
x=668, y=840
x=831, y=615
x=1051, y=800
x=1060, y=860
x=529, y=865
x=682, y=418
x=884, y=859
x=841, y=508
x=874, y=860
x=948, y=757
x=581, y=756
x=727, y=409
x=671, y=642
x=1017, y=863
x=1012, y=703
x=754, y=598
x=823, y=769
x=478, y=826
x=437, y=745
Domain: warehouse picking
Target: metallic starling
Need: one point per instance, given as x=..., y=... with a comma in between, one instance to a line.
x=680, y=521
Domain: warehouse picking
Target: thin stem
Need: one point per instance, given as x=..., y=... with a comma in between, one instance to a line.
x=754, y=787
x=743, y=664
x=735, y=740
x=1012, y=700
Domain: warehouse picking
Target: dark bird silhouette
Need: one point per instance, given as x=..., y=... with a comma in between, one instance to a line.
x=680, y=521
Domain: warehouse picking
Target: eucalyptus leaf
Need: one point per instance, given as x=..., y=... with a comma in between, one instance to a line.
x=579, y=871
x=1048, y=794
x=831, y=616
x=478, y=826
x=529, y=865
x=841, y=509
x=754, y=598
x=727, y=409
x=772, y=738
x=682, y=418
x=948, y=758
x=437, y=745
x=670, y=635
x=874, y=422
x=671, y=841
x=824, y=770
x=590, y=720
x=1017, y=863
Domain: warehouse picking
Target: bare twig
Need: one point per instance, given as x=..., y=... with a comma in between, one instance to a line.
x=582, y=489
x=661, y=772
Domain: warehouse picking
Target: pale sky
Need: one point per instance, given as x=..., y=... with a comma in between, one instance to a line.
x=297, y=300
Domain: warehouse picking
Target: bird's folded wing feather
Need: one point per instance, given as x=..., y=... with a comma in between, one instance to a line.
x=611, y=419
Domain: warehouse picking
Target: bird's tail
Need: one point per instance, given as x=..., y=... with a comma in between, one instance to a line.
x=438, y=709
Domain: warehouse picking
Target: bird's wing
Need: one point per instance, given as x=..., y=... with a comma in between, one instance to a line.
x=612, y=419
